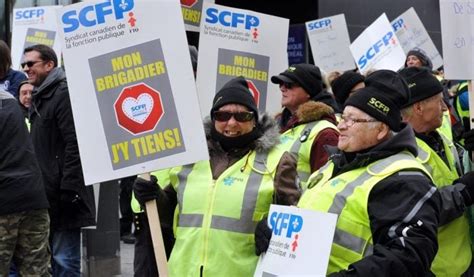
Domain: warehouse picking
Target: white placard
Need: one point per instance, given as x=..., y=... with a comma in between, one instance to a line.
x=457, y=34
x=34, y=26
x=132, y=88
x=412, y=34
x=192, y=11
x=236, y=42
x=378, y=47
x=301, y=242
x=329, y=40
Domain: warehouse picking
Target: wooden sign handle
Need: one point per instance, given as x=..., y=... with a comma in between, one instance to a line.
x=156, y=235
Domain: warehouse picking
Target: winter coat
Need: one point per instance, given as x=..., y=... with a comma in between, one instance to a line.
x=21, y=186
x=54, y=139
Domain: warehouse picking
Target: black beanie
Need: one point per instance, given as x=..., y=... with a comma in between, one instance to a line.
x=308, y=76
x=421, y=55
x=236, y=91
x=382, y=98
x=342, y=85
x=422, y=84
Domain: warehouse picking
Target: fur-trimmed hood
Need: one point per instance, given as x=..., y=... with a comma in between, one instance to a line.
x=270, y=136
x=312, y=111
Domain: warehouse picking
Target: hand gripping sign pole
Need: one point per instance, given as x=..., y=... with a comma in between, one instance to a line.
x=156, y=235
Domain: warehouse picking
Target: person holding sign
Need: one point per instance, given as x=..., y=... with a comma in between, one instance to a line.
x=307, y=122
x=53, y=134
x=424, y=112
x=219, y=202
x=387, y=205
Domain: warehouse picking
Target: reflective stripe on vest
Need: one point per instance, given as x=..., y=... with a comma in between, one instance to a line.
x=304, y=136
x=244, y=224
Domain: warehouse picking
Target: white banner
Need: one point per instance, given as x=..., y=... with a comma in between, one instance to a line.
x=192, y=10
x=132, y=88
x=301, y=242
x=34, y=26
x=235, y=42
x=378, y=47
x=330, y=43
x=412, y=34
x=457, y=34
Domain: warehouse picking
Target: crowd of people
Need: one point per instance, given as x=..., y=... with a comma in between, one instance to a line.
x=388, y=152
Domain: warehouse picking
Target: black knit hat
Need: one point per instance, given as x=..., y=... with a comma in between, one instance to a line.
x=308, y=76
x=236, y=91
x=342, y=85
x=422, y=56
x=422, y=84
x=382, y=98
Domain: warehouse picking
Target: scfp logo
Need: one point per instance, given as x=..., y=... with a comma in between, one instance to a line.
x=281, y=222
x=29, y=14
x=398, y=24
x=231, y=19
x=319, y=24
x=375, y=49
x=93, y=15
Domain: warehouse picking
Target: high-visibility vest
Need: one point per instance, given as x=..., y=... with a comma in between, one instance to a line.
x=215, y=220
x=347, y=195
x=454, y=255
x=299, y=140
x=446, y=127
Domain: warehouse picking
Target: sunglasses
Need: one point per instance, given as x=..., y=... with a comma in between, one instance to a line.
x=289, y=85
x=29, y=64
x=239, y=116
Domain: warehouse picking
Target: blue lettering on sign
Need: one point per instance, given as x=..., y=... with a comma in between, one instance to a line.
x=374, y=50
x=231, y=19
x=398, y=24
x=280, y=222
x=29, y=14
x=139, y=110
x=319, y=24
x=93, y=15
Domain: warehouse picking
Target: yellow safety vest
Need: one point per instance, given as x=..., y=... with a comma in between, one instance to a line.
x=347, y=195
x=446, y=127
x=299, y=140
x=215, y=220
x=454, y=255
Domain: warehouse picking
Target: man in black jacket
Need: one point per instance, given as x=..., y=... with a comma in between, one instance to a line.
x=24, y=220
x=54, y=139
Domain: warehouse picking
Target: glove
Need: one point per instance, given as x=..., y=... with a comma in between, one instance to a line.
x=469, y=140
x=69, y=198
x=145, y=190
x=468, y=191
x=263, y=234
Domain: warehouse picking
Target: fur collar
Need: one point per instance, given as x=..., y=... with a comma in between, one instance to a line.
x=312, y=111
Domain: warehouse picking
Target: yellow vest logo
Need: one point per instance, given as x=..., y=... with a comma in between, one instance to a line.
x=378, y=105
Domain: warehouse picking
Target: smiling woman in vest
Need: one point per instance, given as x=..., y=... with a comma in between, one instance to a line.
x=219, y=202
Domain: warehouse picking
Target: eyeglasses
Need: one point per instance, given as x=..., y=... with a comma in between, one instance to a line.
x=351, y=121
x=29, y=64
x=289, y=85
x=239, y=116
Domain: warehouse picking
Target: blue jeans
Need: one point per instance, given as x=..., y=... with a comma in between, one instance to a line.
x=66, y=252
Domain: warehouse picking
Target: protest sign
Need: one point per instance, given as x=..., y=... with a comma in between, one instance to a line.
x=300, y=244
x=412, y=34
x=297, y=45
x=131, y=87
x=329, y=40
x=34, y=26
x=378, y=47
x=191, y=10
x=235, y=42
x=457, y=34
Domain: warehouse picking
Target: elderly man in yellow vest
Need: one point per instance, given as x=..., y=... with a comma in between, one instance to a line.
x=438, y=154
x=387, y=205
